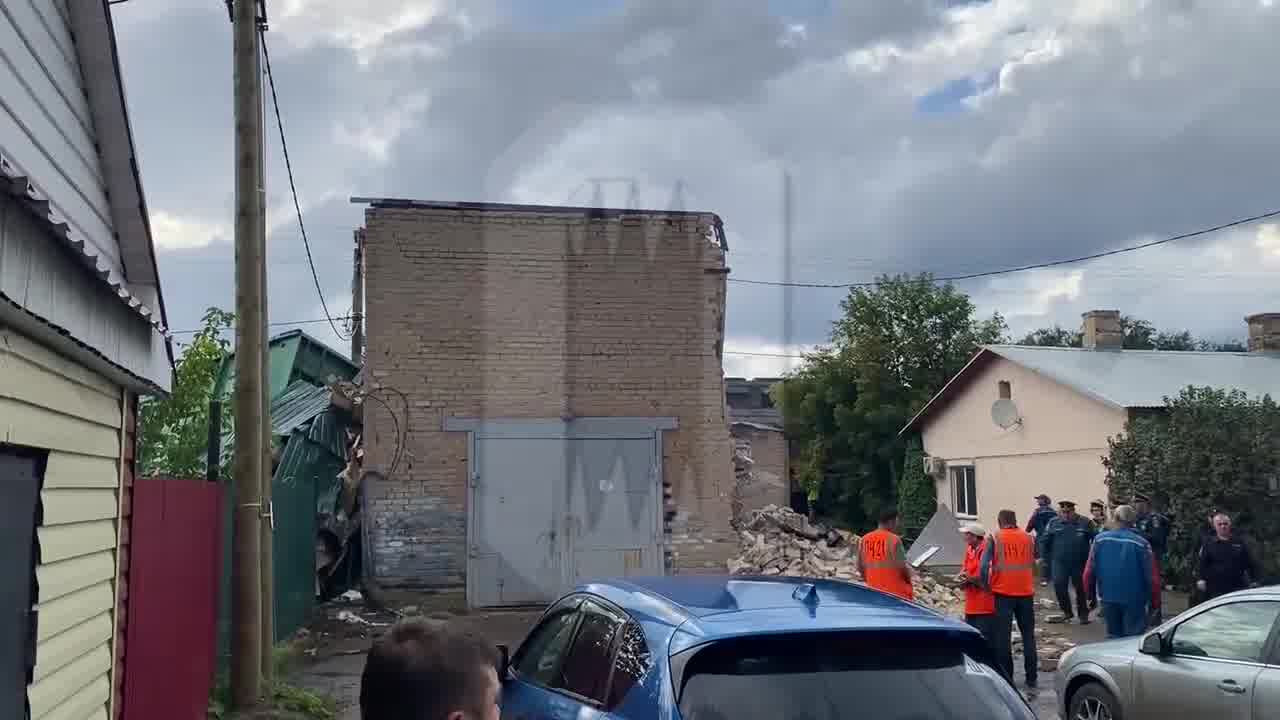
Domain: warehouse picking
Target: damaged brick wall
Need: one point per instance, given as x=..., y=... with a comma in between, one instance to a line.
x=503, y=312
x=760, y=469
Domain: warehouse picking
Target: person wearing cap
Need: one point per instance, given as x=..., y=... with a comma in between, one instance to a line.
x=1154, y=526
x=979, y=603
x=1036, y=525
x=1098, y=512
x=1066, y=545
x=1121, y=568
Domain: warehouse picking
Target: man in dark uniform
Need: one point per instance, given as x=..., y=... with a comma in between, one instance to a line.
x=1097, y=513
x=1066, y=545
x=1040, y=518
x=1226, y=565
x=1154, y=526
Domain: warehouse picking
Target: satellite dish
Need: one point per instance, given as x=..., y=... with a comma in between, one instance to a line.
x=1004, y=413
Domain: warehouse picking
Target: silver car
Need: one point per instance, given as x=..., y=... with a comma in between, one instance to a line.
x=1218, y=660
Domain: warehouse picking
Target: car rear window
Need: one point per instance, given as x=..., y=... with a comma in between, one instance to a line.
x=830, y=676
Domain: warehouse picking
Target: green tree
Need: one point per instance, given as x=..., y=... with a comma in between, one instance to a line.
x=895, y=345
x=917, y=492
x=1207, y=448
x=1138, y=335
x=173, y=432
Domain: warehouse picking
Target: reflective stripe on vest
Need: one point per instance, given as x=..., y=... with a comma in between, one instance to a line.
x=1013, y=564
x=881, y=564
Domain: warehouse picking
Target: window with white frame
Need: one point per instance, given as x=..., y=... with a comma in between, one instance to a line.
x=964, y=490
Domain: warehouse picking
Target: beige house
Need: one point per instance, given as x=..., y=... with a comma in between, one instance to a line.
x=82, y=335
x=755, y=423
x=1018, y=421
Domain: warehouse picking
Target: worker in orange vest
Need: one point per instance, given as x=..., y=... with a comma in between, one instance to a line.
x=1008, y=571
x=979, y=603
x=882, y=560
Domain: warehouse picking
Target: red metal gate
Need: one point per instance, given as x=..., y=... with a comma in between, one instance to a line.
x=174, y=565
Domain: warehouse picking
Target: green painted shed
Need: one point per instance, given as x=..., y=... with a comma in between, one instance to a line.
x=295, y=356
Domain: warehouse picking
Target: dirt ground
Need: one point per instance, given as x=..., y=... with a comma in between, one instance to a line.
x=334, y=646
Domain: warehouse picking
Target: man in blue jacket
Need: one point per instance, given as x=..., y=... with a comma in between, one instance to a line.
x=1039, y=520
x=1121, y=567
x=1065, y=547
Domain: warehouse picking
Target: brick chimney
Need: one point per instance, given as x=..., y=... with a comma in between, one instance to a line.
x=1101, y=330
x=1264, y=332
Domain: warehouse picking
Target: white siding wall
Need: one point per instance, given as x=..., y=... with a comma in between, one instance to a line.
x=49, y=402
x=45, y=122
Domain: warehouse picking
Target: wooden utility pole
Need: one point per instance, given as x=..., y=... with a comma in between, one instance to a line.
x=357, y=299
x=246, y=610
x=267, y=572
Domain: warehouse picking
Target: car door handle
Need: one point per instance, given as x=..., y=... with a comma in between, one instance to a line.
x=1230, y=686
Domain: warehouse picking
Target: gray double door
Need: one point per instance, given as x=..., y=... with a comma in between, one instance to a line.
x=550, y=512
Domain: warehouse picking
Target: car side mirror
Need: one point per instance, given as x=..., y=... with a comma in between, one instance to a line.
x=1153, y=644
x=504, y=661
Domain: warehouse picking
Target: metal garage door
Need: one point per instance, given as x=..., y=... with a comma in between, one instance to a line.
x=553, y=504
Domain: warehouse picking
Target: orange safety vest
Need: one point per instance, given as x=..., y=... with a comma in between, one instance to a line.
x=977, y=600
x=882, y=563
x=1013, y=564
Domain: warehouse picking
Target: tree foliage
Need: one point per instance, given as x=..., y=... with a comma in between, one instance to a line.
x=894, y=346
x=1138, y=334
x=917, y=492
x=173, y=432
x=1207, y=449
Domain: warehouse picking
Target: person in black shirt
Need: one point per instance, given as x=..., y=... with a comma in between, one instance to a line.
x=1226, y=564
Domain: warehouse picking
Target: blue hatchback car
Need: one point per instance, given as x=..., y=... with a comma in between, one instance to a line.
x=750, y=648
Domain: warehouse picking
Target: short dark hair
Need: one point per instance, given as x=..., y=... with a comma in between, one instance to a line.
x=424, y=671
x=1007, y=518
x=888, y=515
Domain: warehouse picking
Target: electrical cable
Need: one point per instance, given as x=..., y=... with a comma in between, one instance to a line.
x=293, y=188
x=1023, y=268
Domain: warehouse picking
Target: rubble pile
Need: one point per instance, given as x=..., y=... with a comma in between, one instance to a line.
x=780, y=541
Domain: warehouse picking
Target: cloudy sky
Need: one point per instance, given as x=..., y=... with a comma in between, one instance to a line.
x=935, y=135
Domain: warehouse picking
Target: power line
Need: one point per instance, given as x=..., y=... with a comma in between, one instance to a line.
x=273, y=324
x=293, y=188
x=1033, y=266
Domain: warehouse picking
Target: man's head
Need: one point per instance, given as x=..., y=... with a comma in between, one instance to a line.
x=1126, y=516
x=1098, y=509
x=422, y=671
x=1222, y=525
x=973, y=534
x=1067, y=509
x=889, y=519
x=1043, y=500
x=1007, y=519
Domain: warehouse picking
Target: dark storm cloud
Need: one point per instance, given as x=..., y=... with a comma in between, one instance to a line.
x=1108, y=122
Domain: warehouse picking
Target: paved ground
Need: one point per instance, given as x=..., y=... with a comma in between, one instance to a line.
x=342, y=634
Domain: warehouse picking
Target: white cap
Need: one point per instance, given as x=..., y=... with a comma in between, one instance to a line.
x=973, y=528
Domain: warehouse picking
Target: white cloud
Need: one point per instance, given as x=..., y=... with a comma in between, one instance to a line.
x=175, y=232
x=359, y=26
x=753, y=359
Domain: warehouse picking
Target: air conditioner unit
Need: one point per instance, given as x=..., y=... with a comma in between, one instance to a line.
x=934, y=467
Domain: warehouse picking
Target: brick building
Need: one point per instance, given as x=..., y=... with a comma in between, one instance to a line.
x=551, y=374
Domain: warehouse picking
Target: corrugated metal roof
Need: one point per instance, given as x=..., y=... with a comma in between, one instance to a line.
x=300, y=403
x=21, y=185
x=1126, y=378
x=1144, y=378
x=297, y=406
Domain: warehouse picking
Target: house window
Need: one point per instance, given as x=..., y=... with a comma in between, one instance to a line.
x=1006, y=390
x=964, y=491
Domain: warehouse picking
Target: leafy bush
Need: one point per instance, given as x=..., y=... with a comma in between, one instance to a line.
x=1207, y=449
x=917, y=493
